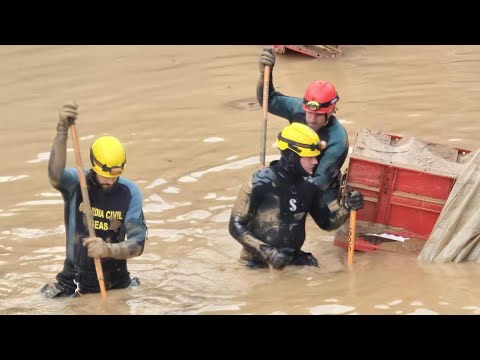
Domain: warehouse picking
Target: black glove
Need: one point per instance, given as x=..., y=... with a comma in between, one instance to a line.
x=304, y=258
x=266, y=58
x=277, y=258
x=354, y=200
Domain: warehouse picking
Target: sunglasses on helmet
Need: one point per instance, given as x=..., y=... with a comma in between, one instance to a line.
x=315, y=105
x=114, y=170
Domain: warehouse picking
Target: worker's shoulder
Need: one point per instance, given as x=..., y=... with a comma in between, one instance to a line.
x=263, y=176
x=132, y=186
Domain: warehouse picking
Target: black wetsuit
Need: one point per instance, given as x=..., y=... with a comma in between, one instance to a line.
x=272, y=209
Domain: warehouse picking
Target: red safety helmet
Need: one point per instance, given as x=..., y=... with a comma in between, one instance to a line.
x=320, y=97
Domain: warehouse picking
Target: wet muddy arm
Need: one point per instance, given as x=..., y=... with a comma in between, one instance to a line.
x=242, y=212
x=336, y=219
x=132, y=247
x=326, y=218
x=58, y=154
x=135, y=228
x=58, y=158
x=278, y=104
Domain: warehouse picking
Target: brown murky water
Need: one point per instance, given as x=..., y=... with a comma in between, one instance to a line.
x=190, y=146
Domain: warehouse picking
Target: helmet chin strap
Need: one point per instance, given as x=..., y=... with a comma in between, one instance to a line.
x=327, y=119
x=327, y=116
x=92, y=176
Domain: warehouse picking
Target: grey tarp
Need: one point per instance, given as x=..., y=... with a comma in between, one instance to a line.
x=455, y=236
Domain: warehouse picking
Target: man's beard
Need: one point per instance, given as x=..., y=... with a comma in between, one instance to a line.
x=107, y=188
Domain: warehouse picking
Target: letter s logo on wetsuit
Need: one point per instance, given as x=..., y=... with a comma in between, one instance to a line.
x=293, y=207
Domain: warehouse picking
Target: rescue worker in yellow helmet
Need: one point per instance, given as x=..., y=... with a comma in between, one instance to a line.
x=268, y=217
x=116, y=204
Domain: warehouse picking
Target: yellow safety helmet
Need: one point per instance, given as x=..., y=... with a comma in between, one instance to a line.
x=301, y=139
x=108, y=157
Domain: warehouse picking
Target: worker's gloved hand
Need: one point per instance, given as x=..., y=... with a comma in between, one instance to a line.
x=97, y=247
x=354, y=200
x=67, y=115
x=278, y=259
x=266, y=58
x=304, y=258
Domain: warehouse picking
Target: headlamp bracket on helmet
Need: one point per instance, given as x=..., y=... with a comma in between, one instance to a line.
x=294, y=145
x=315, y=105
x=114, y=170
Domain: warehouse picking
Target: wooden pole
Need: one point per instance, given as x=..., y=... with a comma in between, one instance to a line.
x=87, y=210
x=351, y=237
x=266, y=88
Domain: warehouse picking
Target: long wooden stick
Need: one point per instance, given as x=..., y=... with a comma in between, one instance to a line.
x=351, y=237
x=87, y=210
x=266, y=88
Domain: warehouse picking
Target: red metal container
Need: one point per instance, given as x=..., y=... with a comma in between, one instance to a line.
x=399, y=199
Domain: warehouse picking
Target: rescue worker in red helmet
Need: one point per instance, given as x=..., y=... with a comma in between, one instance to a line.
x=116, y=204
x=268, y=217
x=316, y=109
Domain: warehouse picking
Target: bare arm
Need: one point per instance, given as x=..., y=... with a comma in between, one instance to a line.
x=58, y=159
x=135, y=227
